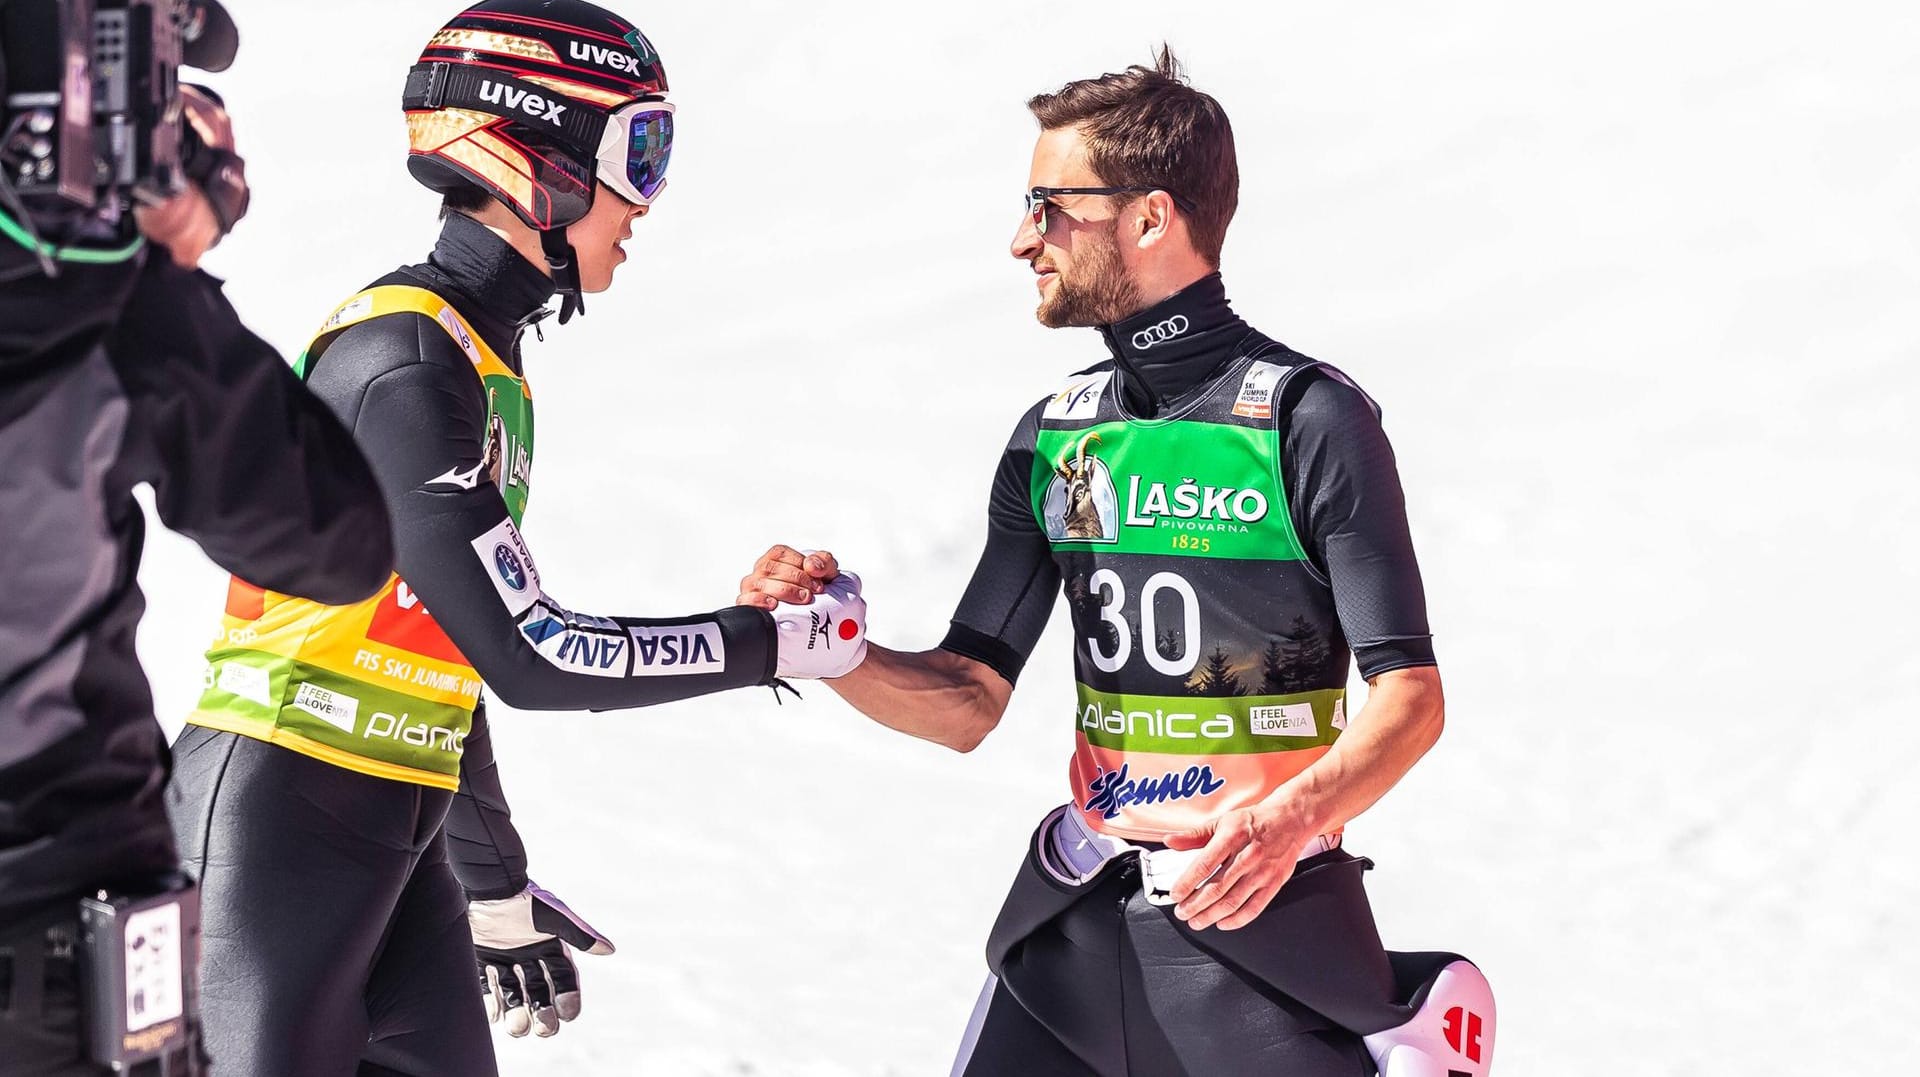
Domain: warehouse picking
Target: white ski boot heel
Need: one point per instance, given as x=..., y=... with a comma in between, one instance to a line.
x=1451, y=1035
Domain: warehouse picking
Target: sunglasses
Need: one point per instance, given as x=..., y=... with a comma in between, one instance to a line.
x=1039, y=198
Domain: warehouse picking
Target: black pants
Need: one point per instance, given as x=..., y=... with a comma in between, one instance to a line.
x=334, y=933
x=1110, y=988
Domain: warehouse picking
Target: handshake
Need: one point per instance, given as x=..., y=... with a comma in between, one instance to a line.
x=818, y=614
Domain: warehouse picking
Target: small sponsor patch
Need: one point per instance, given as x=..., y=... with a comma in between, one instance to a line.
x=542, y=629
x=677, y=650
x=1339, y=714
x=250, y=683
x=335, y=708
x=1285, y=720
x=641, y=45
x=1080, y=399
x=597, y=654
x=351, y=311
x=459, y=334
x=1256, y=391
x=577, y=644
x=509, y=566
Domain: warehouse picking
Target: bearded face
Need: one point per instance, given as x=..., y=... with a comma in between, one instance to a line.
x=1093, y=286
x=1072, y=240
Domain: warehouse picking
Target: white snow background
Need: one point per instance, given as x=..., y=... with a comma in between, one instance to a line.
x=1635, y=284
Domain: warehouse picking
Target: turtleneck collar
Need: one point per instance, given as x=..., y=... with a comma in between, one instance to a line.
x=495, y=281
x=1174, y=345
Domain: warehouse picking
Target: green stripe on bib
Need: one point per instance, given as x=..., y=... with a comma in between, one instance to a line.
x=1210, y=725
x=1189, y=489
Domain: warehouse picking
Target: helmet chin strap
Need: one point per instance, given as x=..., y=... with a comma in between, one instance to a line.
x=564, y=266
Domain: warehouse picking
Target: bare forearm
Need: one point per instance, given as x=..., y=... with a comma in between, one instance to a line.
x=934, y=695
x=1402, y=719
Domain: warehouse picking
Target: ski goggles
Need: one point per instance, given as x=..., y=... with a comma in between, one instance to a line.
x=630, y=144
x=634, y=150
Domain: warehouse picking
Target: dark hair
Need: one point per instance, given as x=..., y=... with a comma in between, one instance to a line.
x=465, y=198
x=1145, y=127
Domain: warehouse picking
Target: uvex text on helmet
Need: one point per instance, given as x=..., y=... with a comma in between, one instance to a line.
x=511, y=96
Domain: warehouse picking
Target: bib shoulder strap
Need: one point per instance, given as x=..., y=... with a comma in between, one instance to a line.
x=385, y=299
x=1285, y=374
x=1308, y=367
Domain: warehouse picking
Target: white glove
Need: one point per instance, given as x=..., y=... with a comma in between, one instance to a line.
x=526, y=972
x=826, y=638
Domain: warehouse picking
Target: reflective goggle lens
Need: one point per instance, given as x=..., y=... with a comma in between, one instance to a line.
x=649, y=145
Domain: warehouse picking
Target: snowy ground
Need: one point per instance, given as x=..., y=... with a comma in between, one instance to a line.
x=1635, y=283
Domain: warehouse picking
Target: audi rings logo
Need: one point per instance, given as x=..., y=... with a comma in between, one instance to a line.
x=1161, y=333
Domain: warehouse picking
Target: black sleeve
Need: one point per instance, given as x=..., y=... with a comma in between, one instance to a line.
x=242, y=458
x=488, y=857
x=1349, y=510
x=1011, y=596
x=412, y=400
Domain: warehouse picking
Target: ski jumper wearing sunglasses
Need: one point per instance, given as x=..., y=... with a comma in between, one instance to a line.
x=335, y=790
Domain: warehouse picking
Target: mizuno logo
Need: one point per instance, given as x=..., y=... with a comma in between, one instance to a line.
x=614, y=58
x=460, y=480
x=514, y=100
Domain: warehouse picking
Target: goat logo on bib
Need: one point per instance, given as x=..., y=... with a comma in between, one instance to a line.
x=1079, y=504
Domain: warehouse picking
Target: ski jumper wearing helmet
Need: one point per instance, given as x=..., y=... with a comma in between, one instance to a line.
x=283, y=799
x=515, y=97
x=324, y=757
x=386, y=687
x=1226, y=521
